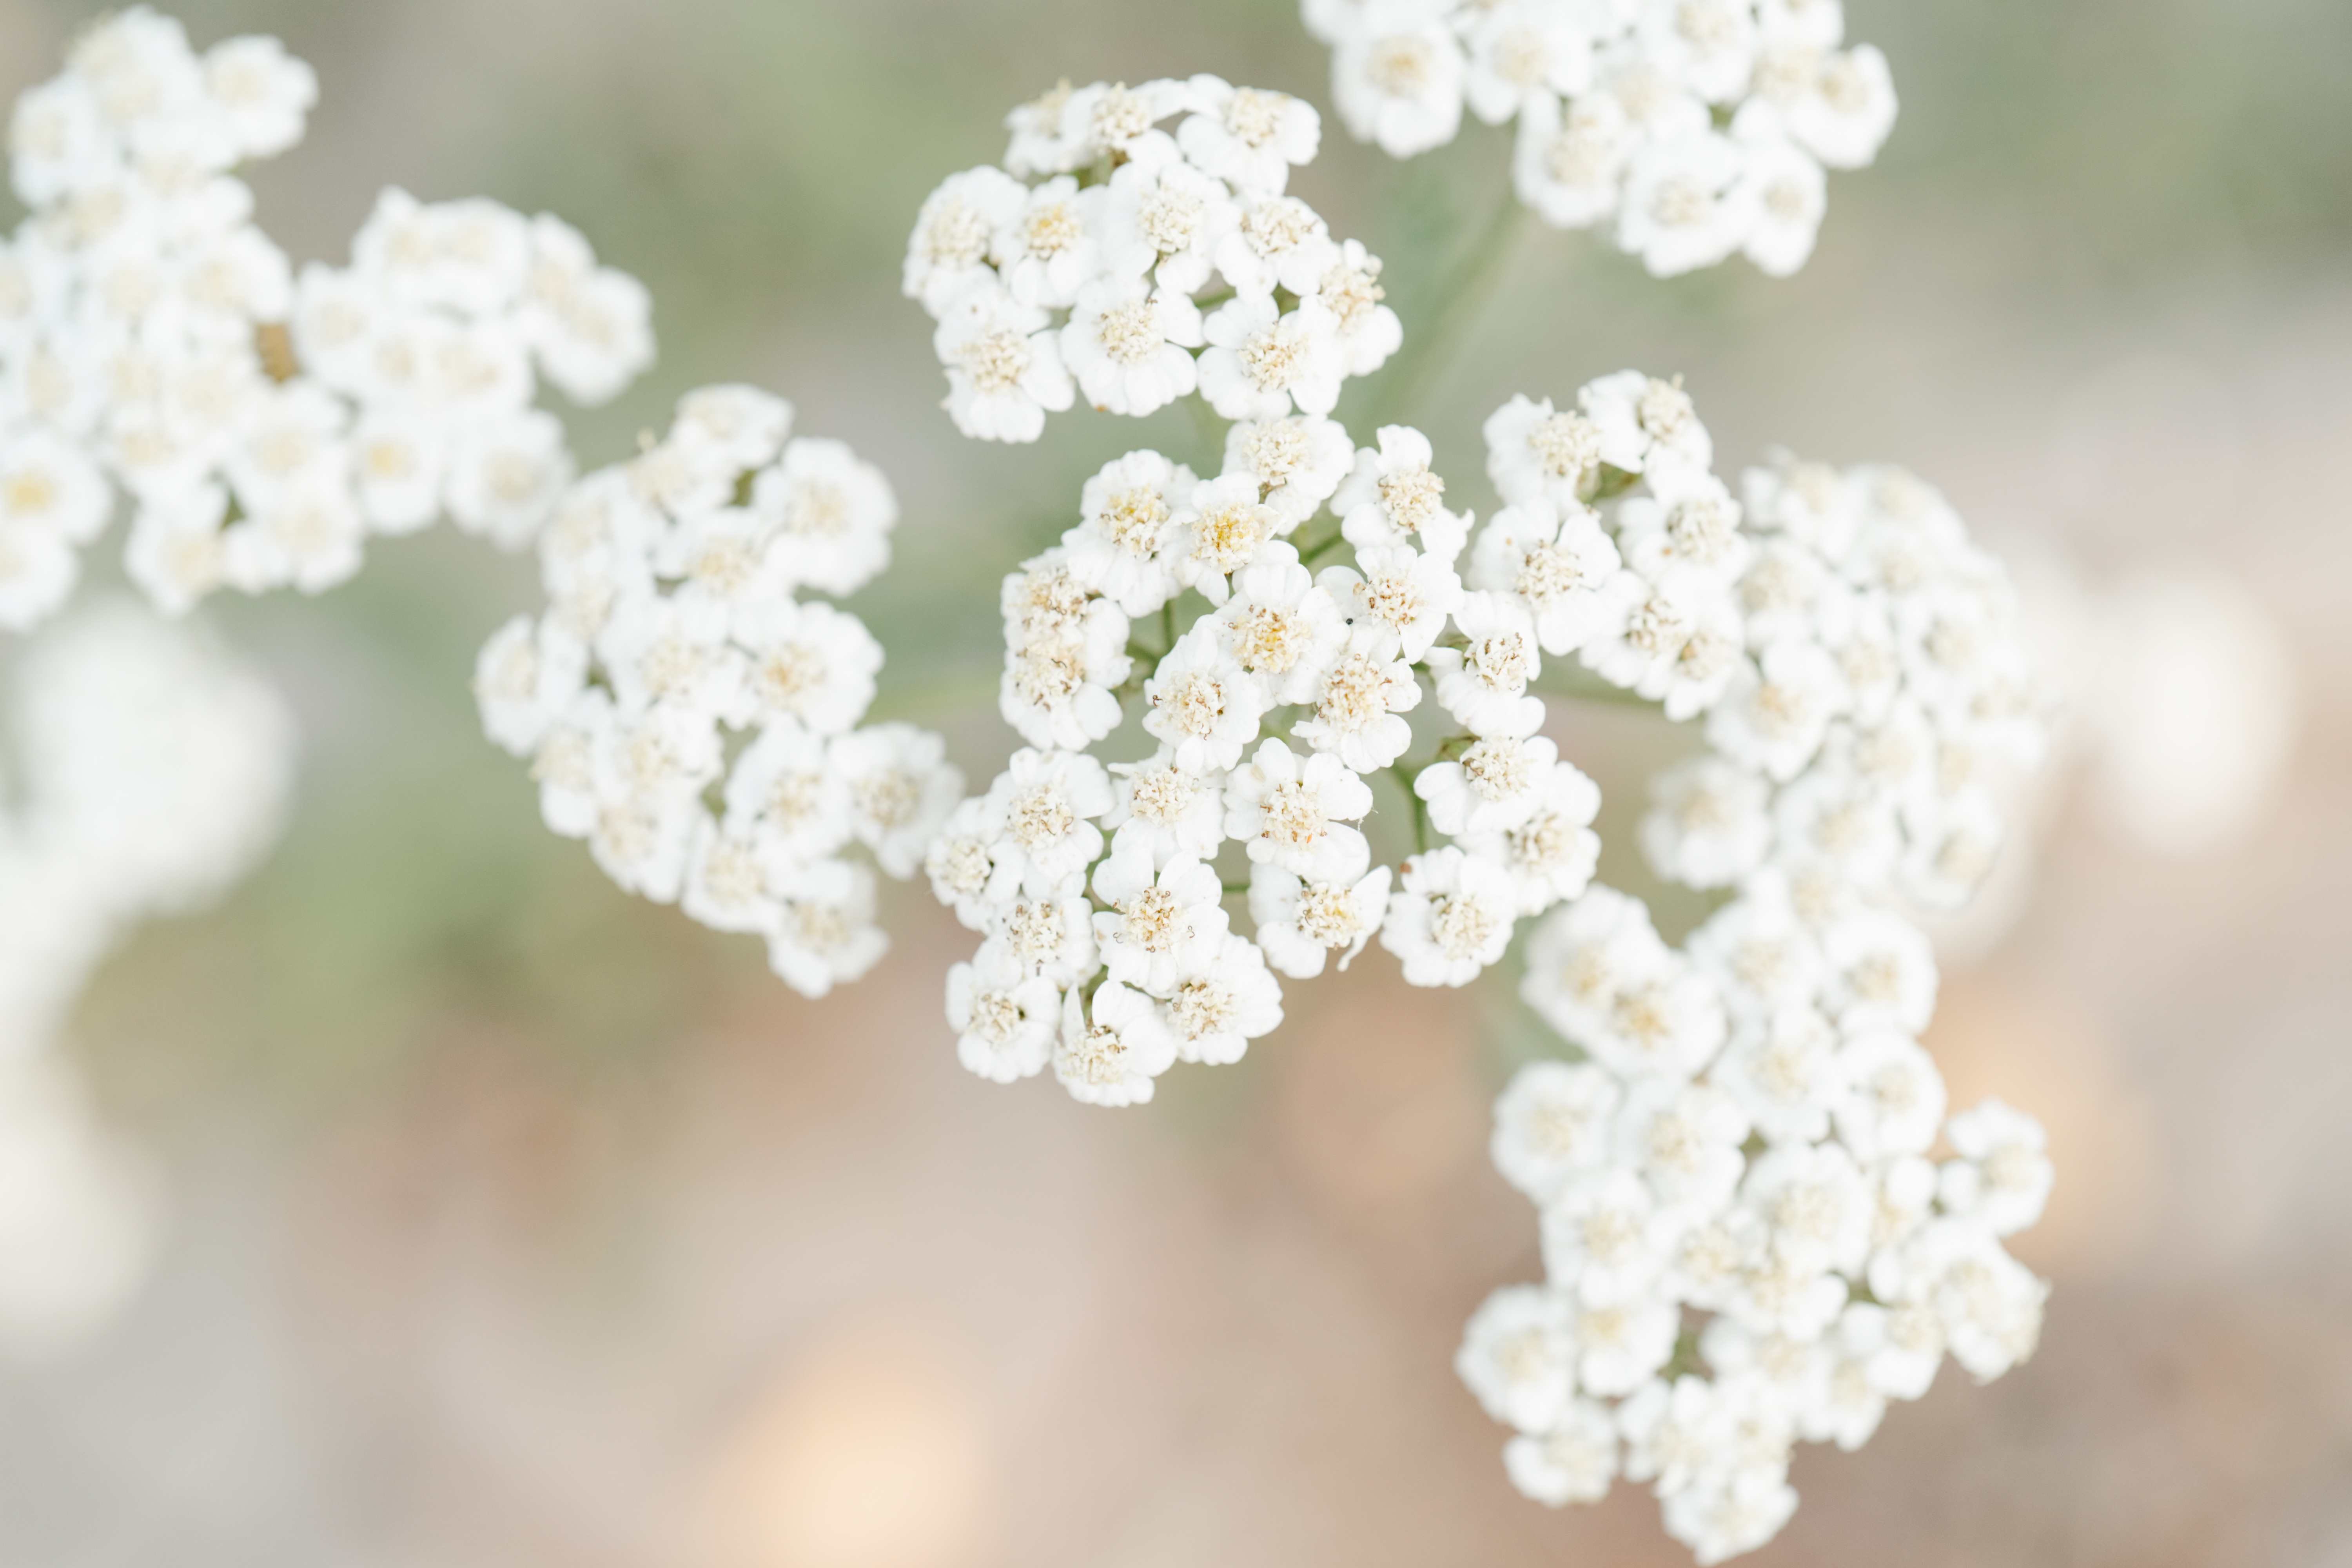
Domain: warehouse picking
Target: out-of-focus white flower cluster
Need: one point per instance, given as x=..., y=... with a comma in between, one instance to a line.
x=1699, y=127
x=1275, y=698
x=152, y=772
x=697, y=720
x=1747, y=1241
x=1137, y=264
x=263, y=425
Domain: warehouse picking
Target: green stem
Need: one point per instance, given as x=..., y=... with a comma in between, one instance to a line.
x=1426, y=351
x=1321, y=548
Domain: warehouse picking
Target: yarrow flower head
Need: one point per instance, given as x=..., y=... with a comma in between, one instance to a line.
x=1697, y=129
x=1748, y=1241
x=262, y=423
x=696, y=719
x=1271, y=631
x=1113, y=258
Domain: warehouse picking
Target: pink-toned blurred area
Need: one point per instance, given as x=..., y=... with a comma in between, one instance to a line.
x=513, y=1224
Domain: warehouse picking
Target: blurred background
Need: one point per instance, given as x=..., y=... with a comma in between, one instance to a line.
x=513, y=1223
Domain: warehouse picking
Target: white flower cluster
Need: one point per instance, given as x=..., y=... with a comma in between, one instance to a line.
x=1745, y=1240
x=698, y=721
x=1699, y=127
x=262, y=423
x=1111, y=955
x=152, y=772
x=1143, y=265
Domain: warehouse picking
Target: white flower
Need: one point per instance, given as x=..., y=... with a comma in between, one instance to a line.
x=1685, y=1141
x=832, y=514
x=1222, y=527
x=1569, y=158
x=1299, y=923
x=1005, y=1022
x=38, y=573
x=1351, y=294
x=1785, y=1071
x=1201, y=704
x=1552, y=854
x=527, y=675
x=1044, y=808
x=1065, y=653
x=1293, y=811
x=590, y=326
x=1677, y=643
x=1450, y=918
x=1163, y=922
x=1730, y=1513
x=1221, y=1004
x=1281, y=242
x=1552, y=1124
x=901, y=790
x=1125, y=343
x=1397, y=78
x=1622, y=1345
x=1172, y=812
x=1816, y=1202
x=1841, y=115
x=1644, y=421
x=1558, y=567
x=1707, y=45
x=1990, y=1304
x=811, y=662
x=1247, y=136
x=1004, y=367
x=1111, y=1050
x=1523, y=50
x=1894, y=1099
x=504, y=477
x=1282, y=628
x=827, y=936
x=1124, y=548
x=1297, y=460
x=1050, y=248
x=1484, y=685
x=1497, y=785
x=1399, y=603
x=1261, y=362
x=726, y=886
x=1759, y=953
x=1167, y=219
x=1536, y=453
x=1573, y=1462
x=1044, y=138
x=1360, y=707
x=963, y=870
x=785, y=787
x=1688, y=523
x=1776, y=712
x=1392, y=498
x=1785, y=193
x=1053, y=939
x=1833, y=819
x=1708, y=826
x=1683, y=206
x=1605, y=1239
x=1882, y=972
x=2002, y=1177
x=948, y=253
x=1518, y=1357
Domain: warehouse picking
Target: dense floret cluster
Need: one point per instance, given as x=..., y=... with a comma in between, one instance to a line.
x=1282, y=624
x=693, y=717
x=1135, y=265
x=1746, y=1239
x=1698, y=129
x=263, y=424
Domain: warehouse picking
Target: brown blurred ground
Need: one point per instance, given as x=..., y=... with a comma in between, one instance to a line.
x=519, y=1226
